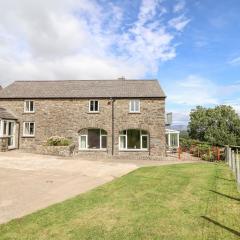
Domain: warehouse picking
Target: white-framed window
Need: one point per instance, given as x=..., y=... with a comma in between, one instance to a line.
x=93, y=106
x=7, y=129
x=29, y=106
x=133, y=139
x=28, y=129
x=93, y=139
x=134, y=106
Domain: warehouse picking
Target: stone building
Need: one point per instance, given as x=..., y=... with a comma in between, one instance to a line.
x=109, y=117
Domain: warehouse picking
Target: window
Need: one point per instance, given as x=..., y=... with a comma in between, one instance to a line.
x=93, y=106
x=134, y=106
x=133, y=139
x=93, y=139
x=28, y=106
x=28, y=129
x=174, y=140
x=4, y=127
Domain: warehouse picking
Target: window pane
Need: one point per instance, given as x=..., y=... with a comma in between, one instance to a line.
x=145, y=142
x=122, y=142
x=103, y=132
x=173, y=140
x=83, y=142
x=91, y=106
x=137, y=106
x=31, y=128
x=27, y=106
x=10, y=128
x=26, y=128
x=5, y=127
x=93, y=138
x=96, y=106
x=132, y=105
x=104, y=141
x=133, y=139
x=124, y=132
x=31, y=106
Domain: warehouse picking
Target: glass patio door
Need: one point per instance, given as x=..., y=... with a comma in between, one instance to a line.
x=9, y=132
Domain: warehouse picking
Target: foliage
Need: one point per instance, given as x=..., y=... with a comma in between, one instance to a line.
x=58, y=141
x=184, y=134
x=203, y=150
x=163, y=202
x=217, y=126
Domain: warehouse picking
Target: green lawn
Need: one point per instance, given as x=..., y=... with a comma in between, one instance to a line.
x=187, y=201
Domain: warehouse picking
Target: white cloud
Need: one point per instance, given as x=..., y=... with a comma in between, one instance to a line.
x=180, y=5
x=235, y=61
x=184, y=95
x=62, y=39
x=192, y=91
x=179, y=23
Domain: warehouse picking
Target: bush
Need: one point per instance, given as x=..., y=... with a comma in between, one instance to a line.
x=58, y=141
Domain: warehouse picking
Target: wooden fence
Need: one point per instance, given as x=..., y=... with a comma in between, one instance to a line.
x=233, y=160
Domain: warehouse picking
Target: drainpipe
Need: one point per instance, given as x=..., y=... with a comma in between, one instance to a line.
x=112, y=125
x=18, y=123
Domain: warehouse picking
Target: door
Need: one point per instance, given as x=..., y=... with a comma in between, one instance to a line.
x=9, y=132
x=11, y=135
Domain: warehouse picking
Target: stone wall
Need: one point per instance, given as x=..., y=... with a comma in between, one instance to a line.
x=66, y=118
x=3, y=144
x=54, y=150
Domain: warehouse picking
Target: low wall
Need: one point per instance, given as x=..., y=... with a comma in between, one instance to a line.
x=65, y=151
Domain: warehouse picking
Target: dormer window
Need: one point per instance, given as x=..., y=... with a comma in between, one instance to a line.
x=29, y=106
x=134, y=106
x=93, y=106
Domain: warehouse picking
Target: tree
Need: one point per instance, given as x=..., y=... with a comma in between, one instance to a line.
x=218, y=126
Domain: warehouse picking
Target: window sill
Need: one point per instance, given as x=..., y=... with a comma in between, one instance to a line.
x=134, y=112
x=133, y=150
x=93, y=112
x=28, y=112
x=24, y=136
x=93, y=150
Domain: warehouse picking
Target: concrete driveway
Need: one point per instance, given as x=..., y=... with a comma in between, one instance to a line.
x=29, y=182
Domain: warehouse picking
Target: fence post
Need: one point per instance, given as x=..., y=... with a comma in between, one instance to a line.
x=226, y=154
x=230, y=157
x=238, y=170
x=179, y=153
x=218, y=153
x=233, y=162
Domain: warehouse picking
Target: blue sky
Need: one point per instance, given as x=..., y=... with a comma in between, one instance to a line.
x=191, y=46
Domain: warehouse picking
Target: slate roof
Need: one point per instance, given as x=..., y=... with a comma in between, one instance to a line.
x=83, y=89
x=4, y=114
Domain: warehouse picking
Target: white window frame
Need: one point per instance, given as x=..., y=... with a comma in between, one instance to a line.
x=80, y=146
x=24, y=129
x=126, y=139
x=90, y=149
x=89, y=106
x=133, y=101
x=6, y=134
x=27, y=102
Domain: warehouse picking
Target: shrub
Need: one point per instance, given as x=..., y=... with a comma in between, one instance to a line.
x=58, y=141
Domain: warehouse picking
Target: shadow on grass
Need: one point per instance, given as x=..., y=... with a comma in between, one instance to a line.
x=230, y=180
x=225, y=195
x=221, y=225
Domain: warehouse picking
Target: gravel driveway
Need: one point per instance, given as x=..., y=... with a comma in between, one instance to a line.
x=29, y=182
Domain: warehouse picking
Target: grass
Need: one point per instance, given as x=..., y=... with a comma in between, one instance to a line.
x=187, y=201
